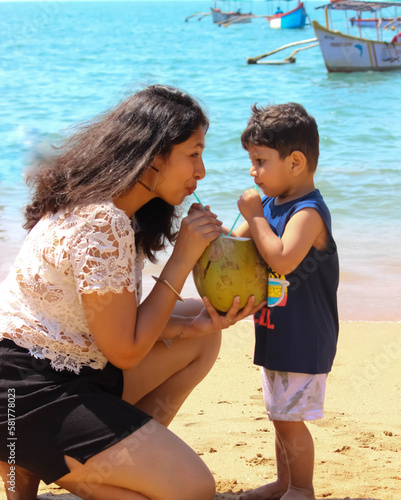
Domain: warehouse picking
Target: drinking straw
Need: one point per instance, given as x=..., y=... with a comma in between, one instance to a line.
x=238, y=216
x=236, y=220
x=197, y=199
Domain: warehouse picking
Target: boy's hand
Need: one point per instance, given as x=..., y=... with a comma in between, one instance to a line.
x=250, y=204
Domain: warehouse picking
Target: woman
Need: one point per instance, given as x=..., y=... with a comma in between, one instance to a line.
x=93, y=375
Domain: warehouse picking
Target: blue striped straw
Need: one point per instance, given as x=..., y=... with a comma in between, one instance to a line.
x=197, y=199
x=238, y=216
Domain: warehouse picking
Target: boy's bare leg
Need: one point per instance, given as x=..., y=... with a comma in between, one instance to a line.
x=300, y=454
x=20, y=484
x=294, y=493
x=276, y=489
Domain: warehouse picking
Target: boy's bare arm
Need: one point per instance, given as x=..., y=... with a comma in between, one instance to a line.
x=303, y=231
x=242, y=231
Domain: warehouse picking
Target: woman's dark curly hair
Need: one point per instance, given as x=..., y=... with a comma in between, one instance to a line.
x=107, y=156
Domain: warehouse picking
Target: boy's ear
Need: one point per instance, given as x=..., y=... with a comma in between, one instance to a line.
x=298, y=162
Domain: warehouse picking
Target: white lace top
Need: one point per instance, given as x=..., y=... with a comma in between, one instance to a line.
x=88, y=249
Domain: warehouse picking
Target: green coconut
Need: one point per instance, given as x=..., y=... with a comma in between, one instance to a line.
x=231, y=267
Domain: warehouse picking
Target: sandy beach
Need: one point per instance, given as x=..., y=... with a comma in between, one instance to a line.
x=358, y=442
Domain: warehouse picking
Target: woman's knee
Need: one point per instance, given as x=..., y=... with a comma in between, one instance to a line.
x=199, y=485
x=206, y=488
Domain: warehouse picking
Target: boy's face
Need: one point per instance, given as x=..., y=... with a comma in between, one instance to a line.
x=271, y=173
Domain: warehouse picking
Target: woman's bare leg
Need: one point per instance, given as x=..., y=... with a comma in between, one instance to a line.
x=19, y=483
x=163, y=380
x=153, y=463
x=92, y=491
x=150, y=464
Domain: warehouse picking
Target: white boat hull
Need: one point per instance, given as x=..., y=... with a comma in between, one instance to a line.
x=345, y=53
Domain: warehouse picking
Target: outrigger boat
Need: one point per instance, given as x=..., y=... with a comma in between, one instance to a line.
x=220, y=16
x=347, y=53
x=226, y=12
x=292, y=19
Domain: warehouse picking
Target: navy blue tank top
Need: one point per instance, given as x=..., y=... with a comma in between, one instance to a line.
x=298, y=329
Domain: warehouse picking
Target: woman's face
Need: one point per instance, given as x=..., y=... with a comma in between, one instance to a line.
x=180, y=172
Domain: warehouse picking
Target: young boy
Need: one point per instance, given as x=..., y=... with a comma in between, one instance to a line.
x=296, y=332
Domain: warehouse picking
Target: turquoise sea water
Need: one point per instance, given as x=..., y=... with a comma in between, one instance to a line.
x=64, y=62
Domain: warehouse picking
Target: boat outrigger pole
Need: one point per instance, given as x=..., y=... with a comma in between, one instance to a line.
x=237, y=19
x=200, y=14
x=286, y=60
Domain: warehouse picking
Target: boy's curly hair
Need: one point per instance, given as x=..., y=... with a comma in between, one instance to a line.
x=285, y=128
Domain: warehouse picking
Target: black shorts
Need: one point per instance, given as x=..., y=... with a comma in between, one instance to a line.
x=46, y=414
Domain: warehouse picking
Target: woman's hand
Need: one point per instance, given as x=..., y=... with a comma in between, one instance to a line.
x=209, y=320
x=250, y=204
x=197, y=206
x=198, y=229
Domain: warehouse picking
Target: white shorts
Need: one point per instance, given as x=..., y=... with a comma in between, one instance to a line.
x=293, y=396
